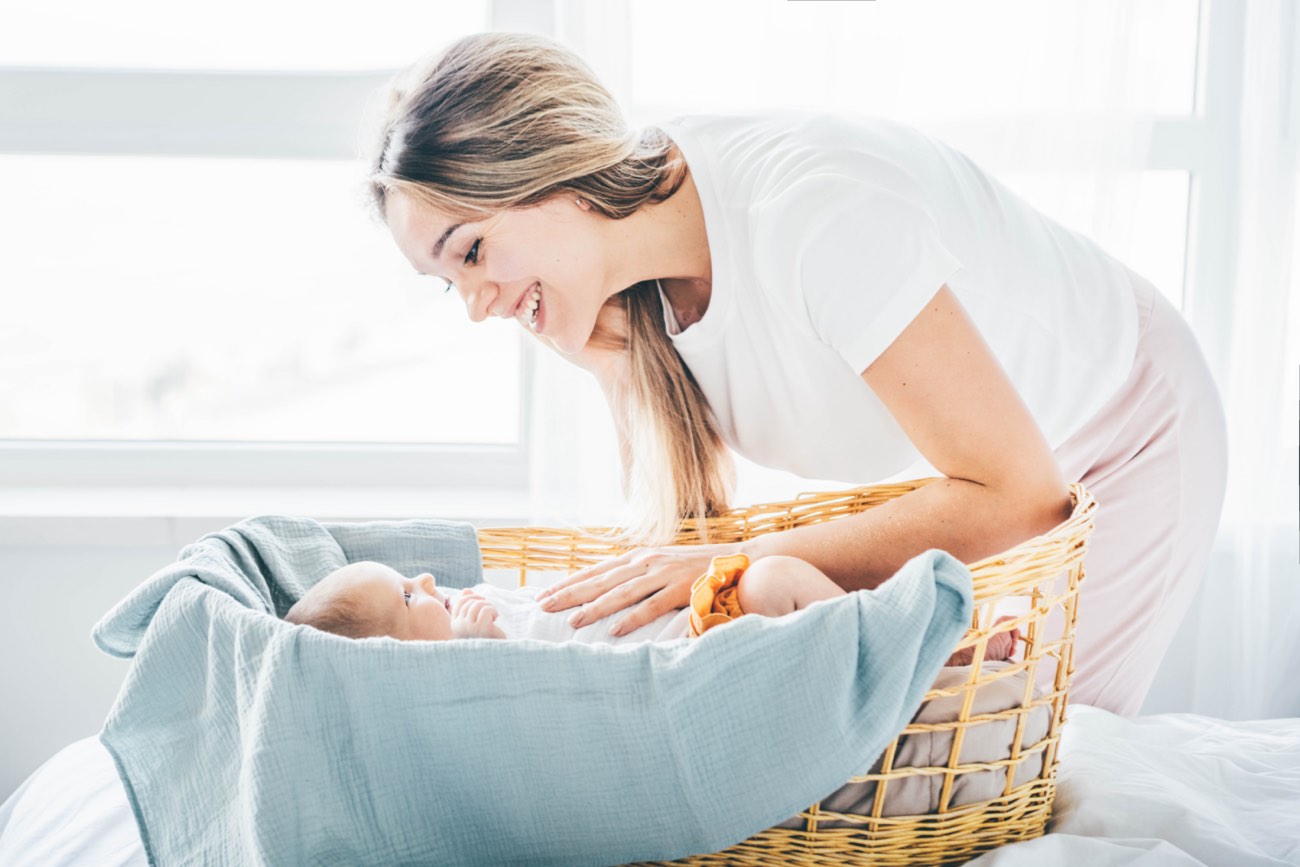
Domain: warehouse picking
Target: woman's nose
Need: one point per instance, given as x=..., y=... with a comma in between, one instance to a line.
x=478, y=300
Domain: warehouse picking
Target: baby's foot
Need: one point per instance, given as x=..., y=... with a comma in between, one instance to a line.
x=1001, y=646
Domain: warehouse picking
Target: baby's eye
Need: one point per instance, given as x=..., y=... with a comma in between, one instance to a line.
x=406, y=597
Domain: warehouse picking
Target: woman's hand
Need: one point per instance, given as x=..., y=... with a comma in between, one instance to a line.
x=658, y=578
x=472, y=616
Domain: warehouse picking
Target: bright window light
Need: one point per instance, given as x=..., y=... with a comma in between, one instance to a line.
x=1140, y=218
x=969, y=60
x=237, y=300
x=288, y=34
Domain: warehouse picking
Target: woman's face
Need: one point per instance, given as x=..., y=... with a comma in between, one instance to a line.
x=495, y=264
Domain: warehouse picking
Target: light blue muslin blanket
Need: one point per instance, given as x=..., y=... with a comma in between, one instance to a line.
x=243, y=740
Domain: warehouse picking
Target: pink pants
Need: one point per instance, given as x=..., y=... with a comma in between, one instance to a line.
x=1155, y=457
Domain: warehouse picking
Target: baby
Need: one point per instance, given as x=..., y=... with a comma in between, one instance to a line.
x=367, y=599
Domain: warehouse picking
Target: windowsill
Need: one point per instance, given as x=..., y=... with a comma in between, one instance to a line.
x=115, y=516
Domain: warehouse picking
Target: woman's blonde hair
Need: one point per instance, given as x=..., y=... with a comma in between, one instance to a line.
x=510, y=120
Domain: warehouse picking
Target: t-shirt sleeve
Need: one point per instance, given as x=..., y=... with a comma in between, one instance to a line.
x=865, y=259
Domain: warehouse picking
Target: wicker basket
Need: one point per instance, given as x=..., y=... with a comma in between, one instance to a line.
x=1042, y=575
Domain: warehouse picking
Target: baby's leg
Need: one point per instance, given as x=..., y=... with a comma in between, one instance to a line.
x=778, y=585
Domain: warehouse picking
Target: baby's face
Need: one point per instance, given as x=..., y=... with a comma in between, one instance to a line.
x=410, y=609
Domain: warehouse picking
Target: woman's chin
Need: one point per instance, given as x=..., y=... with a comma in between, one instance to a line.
x=562, y=345
x=564, y=342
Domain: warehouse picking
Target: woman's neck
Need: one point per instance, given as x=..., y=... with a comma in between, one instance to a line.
x=667, y=241
x=688, y=292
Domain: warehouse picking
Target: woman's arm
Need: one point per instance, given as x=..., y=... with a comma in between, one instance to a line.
x=952, y=398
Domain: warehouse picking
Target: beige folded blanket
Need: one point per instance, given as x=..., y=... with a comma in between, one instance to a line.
x=985, y=742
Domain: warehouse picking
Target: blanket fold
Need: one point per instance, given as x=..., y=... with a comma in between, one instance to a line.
x=242, y=739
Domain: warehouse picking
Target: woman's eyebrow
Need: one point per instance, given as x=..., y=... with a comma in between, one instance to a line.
x=438, y=245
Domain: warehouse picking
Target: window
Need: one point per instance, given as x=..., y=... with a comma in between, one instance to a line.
x=192, y=280
x=1139, y=218
x=130, y=93
x=290, y=35
x=1008, y=107
x=240, y=300
x=1029, y=57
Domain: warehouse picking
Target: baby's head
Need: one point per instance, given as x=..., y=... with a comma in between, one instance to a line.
x=366, y=599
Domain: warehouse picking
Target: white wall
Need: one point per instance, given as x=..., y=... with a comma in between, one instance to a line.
x=55, y=685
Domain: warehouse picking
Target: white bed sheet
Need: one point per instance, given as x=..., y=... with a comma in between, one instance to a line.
x=1173, y=789
x=1176, y=789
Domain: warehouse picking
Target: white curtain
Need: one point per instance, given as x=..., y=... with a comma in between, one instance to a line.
x=1234, y=654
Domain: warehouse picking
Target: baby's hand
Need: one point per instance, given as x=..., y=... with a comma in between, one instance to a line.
x=472, y=616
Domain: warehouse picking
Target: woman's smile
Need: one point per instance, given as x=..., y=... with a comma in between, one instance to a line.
x=527, y=309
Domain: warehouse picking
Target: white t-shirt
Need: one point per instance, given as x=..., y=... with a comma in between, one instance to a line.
x=828, y=234
x=520, y=616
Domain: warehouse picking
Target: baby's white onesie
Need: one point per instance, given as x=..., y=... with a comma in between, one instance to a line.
x=520, y=616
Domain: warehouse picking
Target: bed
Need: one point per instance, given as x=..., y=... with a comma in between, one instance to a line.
x=1175, y=789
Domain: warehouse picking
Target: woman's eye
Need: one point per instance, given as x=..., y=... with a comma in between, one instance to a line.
x=471, y=258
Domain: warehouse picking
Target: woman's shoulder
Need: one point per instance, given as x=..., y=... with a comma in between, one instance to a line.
x=774, y=133
x=761, y=163
x=813, y=122
x=832, y=211
x=792, y=182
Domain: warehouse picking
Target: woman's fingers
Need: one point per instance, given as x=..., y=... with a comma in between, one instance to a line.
x=584, y=573
x=658, y=593
x=613, y=592
x=647, y=612
x=605, y=594
x=577, y=588
x=658, y=578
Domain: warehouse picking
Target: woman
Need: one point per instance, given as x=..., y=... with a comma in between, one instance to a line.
x=844, y=298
